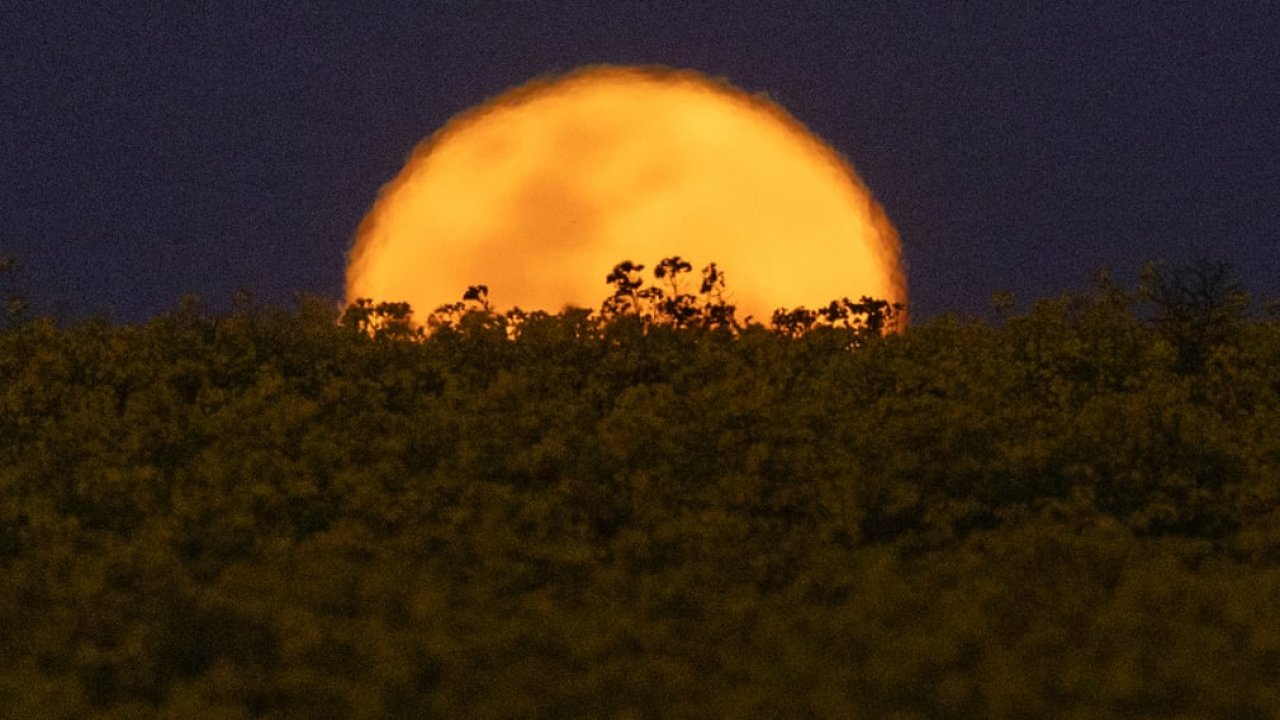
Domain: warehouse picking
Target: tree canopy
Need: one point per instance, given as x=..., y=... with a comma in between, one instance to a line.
x=653, y=510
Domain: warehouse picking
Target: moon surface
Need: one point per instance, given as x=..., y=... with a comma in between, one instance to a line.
x=541, y=191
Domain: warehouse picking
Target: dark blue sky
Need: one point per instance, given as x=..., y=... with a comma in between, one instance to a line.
x=152, y=150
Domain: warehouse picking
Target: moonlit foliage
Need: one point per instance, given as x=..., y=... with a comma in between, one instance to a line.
x=642, y=514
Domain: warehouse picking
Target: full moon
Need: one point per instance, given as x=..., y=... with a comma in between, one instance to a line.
x=541, y=191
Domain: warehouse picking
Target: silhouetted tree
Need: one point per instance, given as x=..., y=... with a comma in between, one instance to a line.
x=626, y=281
x=1199, y=306
x=673, y=306
x=384, y=321
x=717, y=312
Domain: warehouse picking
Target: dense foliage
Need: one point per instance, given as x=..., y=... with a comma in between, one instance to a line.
x=654, y=511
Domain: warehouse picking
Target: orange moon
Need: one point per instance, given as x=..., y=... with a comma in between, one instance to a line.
x=541, y=191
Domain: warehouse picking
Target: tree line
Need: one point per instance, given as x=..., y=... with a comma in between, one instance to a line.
x=650, y=509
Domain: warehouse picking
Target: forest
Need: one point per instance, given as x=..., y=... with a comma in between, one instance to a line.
x=653, y=509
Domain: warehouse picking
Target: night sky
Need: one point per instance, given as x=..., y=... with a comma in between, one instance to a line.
x=153, y=150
